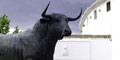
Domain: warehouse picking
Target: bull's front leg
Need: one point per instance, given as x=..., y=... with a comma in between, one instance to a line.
x=31, y=59
x=49, y=58
x=42, y=57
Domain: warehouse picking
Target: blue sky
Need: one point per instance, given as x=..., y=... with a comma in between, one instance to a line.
x=25, y=13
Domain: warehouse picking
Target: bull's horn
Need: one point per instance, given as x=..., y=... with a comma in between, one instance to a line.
x=44, y=12
x=73, y=19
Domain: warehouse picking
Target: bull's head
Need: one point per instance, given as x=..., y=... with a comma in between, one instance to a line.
x=59, y=22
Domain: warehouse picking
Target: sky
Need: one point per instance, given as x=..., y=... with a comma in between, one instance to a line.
x=25, y=13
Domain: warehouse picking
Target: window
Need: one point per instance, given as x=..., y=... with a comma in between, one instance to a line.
x=90, y=17
x=99, y=10
x=87, y=21
x=108, y=6
x=95, y=14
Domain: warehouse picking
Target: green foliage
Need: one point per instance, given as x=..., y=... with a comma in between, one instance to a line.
x=16, y=30
x=4, y=24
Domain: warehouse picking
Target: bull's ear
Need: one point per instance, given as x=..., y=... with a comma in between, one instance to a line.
x=44, y=20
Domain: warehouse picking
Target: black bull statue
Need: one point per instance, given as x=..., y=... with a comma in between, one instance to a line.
x=39, y=42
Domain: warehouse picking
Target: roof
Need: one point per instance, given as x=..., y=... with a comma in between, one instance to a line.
x=88, y=10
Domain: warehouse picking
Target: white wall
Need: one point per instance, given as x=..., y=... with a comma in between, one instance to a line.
x=101, y=25
x=83, y=49
x=101, y=49
x=115, y=28
x=72, y=49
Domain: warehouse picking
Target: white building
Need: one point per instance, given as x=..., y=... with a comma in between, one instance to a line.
x=96, y=20
x=95, y=41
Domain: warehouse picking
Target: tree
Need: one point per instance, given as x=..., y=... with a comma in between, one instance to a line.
x=16, y=30
x=4, y=24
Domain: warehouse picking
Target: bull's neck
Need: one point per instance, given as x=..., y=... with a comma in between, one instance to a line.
x=49, y=44
x=48, y=40
x=44, y=32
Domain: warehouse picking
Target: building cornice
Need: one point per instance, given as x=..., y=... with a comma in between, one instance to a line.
x=90, y=36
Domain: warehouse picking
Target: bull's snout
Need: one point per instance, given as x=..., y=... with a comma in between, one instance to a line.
x=68, y=32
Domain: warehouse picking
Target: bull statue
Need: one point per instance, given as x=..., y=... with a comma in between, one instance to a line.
x=39, y=42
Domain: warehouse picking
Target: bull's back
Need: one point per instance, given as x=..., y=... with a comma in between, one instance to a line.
x=8, y=44
x=6, y=39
